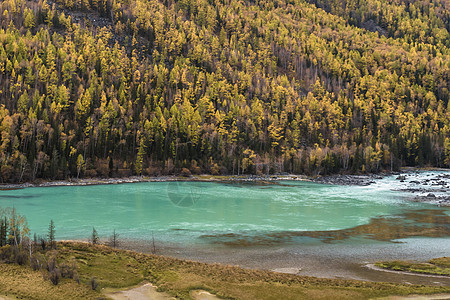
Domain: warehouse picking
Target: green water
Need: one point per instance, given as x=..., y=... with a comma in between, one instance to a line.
x=208, y=212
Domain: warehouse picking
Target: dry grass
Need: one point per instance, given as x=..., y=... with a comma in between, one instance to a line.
x=23, y=283
x=121, y=268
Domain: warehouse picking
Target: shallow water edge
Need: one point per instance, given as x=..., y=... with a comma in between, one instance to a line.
x=342, y=262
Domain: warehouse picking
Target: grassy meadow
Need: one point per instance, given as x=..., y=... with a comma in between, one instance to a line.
x=112, y=268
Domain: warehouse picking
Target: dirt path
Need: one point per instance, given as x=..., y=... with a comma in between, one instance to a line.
x=147, y=291
x=203, y=295
x=143, y=292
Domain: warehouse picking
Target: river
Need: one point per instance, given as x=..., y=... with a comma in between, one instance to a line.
x=285, y=223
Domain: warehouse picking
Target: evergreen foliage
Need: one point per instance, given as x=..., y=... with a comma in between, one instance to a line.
x=51, y=235
x=115, y=87
x=94, y=237
x=3, y=231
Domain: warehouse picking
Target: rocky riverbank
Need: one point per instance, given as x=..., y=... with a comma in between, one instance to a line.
x=135, y=179
x=361, y=180
x=84, y=181
x=432, y=186
x=429, y=186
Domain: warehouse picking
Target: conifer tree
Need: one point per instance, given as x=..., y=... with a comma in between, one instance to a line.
x=3, y=231
x=51, y=235
x=94, y=237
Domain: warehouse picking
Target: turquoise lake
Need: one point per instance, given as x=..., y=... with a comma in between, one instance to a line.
x=233, y=214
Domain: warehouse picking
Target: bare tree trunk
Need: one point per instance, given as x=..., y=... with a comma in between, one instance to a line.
x=153, y=244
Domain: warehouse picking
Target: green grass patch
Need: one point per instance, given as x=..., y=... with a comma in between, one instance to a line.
x=437, y=266
x=110, y=268
x=443, y=262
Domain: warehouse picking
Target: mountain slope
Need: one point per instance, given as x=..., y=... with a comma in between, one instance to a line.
x=113, y=88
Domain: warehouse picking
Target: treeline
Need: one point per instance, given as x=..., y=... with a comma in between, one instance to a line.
x=115, y=88
x=41, y=253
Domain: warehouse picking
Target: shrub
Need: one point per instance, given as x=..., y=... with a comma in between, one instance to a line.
x=94, y=283
x=5, y=253
x=153, y=171
x=43, y=242
x=20, y=257
x=68, y=271
x=195, y=169
x=215, y=169
x=51, y=264
x=76, y=277
x=185, y=172
x=54, y=276
x=34, y=263
x=90, y=173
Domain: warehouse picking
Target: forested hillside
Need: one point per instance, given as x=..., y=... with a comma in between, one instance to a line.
x=122, y=87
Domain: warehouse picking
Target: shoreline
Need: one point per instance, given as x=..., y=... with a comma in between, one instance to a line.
x=339, y=263
x=139, y=179
x=373, y=267
x=335, y=179
x=420, y=190
x=124, y=274
x=310, y=262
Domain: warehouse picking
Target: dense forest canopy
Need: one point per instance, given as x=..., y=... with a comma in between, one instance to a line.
x=122, y=87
